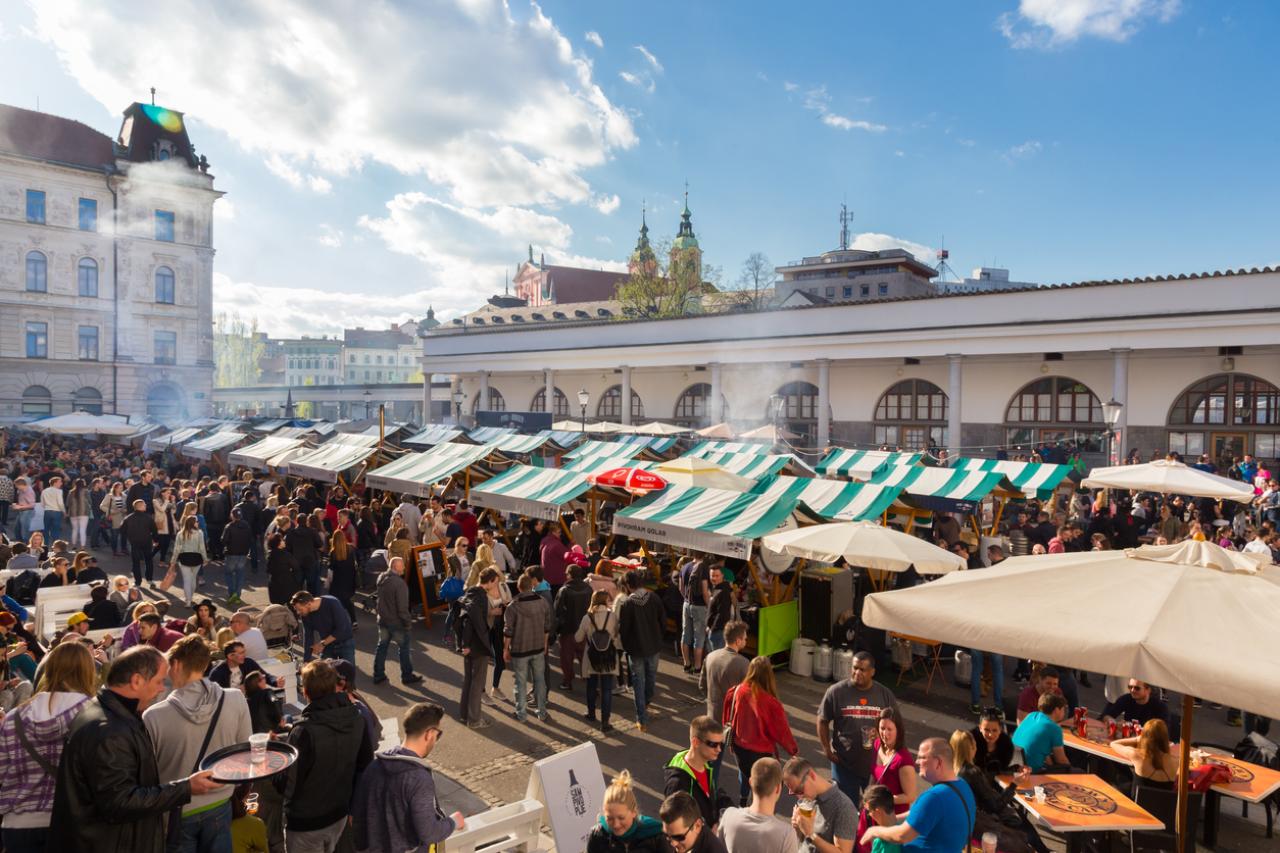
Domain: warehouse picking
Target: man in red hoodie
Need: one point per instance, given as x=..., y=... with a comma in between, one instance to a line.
x=152, y=632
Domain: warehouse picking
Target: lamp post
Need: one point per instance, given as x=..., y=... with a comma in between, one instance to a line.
x=1111, y=414
x=458, y=396
x=583, y=399
x=368, y=398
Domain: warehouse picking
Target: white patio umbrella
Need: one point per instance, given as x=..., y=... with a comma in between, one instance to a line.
x=867, y=544
x=720, y=430
x=1168, y=478
x=1186, y=617
x=83, y=423
x=771, y=432
x=699, y=472
x=660, y=428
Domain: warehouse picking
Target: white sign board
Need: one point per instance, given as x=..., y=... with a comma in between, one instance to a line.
x=570, y=785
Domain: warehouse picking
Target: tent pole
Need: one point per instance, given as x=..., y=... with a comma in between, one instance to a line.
x=591, y=505
x=1184, y=762
x=468, y=484
x=995, y=519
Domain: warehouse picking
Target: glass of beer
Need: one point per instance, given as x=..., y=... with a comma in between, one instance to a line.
x=807, y=808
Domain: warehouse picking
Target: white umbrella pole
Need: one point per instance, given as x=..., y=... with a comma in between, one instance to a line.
x=1184, y=759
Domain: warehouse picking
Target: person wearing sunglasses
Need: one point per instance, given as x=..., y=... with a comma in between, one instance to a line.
x=1140, y=703
x=395, y=806
x=693, y=770
x=683, y=827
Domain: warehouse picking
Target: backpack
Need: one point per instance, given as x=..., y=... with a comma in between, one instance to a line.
x=22, y=588
x=277, y=624
x=600, y=650
x=461, y=622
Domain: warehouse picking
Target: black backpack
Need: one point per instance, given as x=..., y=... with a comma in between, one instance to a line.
x=600, y=650
x=22, y=588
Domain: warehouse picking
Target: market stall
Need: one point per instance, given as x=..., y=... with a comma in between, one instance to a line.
x=433, y=435
x=266, y=453
x=1035, y=479
x=420, y=473
x=205, y=448
x=862, y=464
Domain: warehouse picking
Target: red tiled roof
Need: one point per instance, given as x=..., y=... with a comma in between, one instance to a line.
x=573, y=284
x=49, y=137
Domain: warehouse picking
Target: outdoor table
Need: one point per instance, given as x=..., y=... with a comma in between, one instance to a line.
x=932, y=658
x=1080, y=803
x=1252, y=783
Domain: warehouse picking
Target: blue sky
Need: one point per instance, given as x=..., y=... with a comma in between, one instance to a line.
x=380, y=157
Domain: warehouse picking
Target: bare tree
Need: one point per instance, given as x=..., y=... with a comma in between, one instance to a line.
x=237, y=349
x=657, y=291
x=753, y=290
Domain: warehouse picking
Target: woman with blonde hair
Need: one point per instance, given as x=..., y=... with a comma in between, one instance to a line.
x=1154, y=765
x=622, y=827
x=996, y=812
x=342, y=562
x=68, y=679
x=758, y=720
x=189, y=553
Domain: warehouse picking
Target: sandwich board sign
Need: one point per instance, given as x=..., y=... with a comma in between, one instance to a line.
x=570, y=785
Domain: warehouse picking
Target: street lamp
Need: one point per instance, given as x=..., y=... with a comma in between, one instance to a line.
x=458, y=397
x=583, y=399
x=368, y=398
x=1111, y=414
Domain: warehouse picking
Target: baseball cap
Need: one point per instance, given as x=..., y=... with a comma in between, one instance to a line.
x=76, y=618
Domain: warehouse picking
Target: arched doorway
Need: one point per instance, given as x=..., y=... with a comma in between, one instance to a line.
x=1055, y=411
x=37, y=402
x=539, y=403
x=912, y=415
x=1226, y=416
x=795, y=405
x=610, y=406
x=165, y=403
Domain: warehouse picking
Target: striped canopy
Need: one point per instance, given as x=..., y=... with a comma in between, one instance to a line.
x=757, y=465
x=862, y=464
x=1035, y=479
x=610, y=449
x=416, y=473
x=352, y=439
x=173, y=439
x=434, y=435
x=483, y=435
x=702, y=448
x=326, y=462
x=265, y=452
x=591, y=464
x=564, y=438
x=270, y=425
x=323, y=427
x=518, y=444
x=834, y=500
x=293, y=432
x=945, y=488
x=656, y=443
x=204, y=448
x=541, y=492
x=712, y=520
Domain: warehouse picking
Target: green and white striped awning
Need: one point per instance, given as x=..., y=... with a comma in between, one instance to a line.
x=862, y=464
x=834, y=500
x=204, y=448
x=701, y=449
x=656, y=443
x=416, y=473
x=327, y=461
x=434, y=435
x=564, y=438
x=1035, y=479
x=518, y=444
x=484, y=435
x=172, y=439
x=712, y=520
x=592, y=464
x=606, y=450
x=266, y=452
x=352, y=439
x=943, y=484
x=531, y=491
x=757, y=465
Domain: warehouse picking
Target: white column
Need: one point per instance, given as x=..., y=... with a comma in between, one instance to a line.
x=824, y=403
x=483, y=404
x=716, y=411
x=626, y=395
x=1120, y=391
x=426, y=395
x=954, y=420
x=549, y=378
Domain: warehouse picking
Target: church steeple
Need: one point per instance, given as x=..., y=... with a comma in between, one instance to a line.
x=686, y=254
x=642, y=258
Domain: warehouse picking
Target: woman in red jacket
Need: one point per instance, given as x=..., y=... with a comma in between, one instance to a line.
x=758, y=720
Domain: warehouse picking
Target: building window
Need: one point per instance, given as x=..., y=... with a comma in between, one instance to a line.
x=378, y=375
x=1186, y=444
x=88, y=343
x=610, y=405
x=164, y=403
x=35, y=207
x=1228, y=399
x=883, y=289
x=831, y=293
x=1062, y=410
x=366, y=361
x=37, y=340
x=37, y=402
x=848, y=291
x=87, y=275
x=166, y=344
x=164, y=225
x=164, y=286
x=865, y=290
x=88, y=214
x=378, y=359
x=88, y=400
x=539, y=403
x=797, y=408
x=912, y=415
x=37, y=273
x=352, y=358
x=366, y=376
x=496, y=402
x=693, y=408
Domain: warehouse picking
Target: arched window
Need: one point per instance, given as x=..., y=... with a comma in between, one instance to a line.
x=1227, y=416
x=164, y=286
x=496, y=402
x=87, y=275
x=88, y=400
x=693, y=409
x=610, y=406
x=539, y=403
x=37, y=272
x=796, y=408
x=1055, y=410
x=164, y=403
x=912, y=415
x=37, y=402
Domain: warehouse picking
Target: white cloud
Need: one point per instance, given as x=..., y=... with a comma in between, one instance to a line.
x=297, y=311
x=642, y=80
x=224, y=210
x=594, y=37
x=650, y=58
x=967, y=143
x=286, y=171
x=870, y=241
x=330, y=237
x=819, y=101
x=1053, y=23
x=790, y=87
x=607, y=204
x=1030, y=148
x=899, y=153
x=511, y=116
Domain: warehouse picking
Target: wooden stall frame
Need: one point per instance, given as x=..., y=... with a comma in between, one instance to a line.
x=443, y=564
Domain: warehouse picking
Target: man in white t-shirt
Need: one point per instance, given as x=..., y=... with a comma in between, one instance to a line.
x=756, y=827
x=255, y=645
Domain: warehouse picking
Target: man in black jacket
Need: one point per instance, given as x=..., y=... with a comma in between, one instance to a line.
x=572, y=602
x=109, y=795
x=139, y=530
x=473, y=642
x=251, y=512
x=640, y=623
x=216, y=509
x=394, y=622
x=142, y=491
x=237, y=538
x=333, y=749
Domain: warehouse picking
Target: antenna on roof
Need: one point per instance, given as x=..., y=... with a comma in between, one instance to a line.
x=943, y=267
x=153, y=96
x=845, y=219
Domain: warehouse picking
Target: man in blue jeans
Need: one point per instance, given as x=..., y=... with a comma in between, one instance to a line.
x=393, y=623
x=641, y=621
x=328, y=627
x=527, y=626
x=847, y=721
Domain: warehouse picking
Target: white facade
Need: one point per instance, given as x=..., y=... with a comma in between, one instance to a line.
x=106, y=312
x=1143, y=343
x=312, y=361
x=381, y=364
